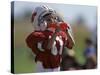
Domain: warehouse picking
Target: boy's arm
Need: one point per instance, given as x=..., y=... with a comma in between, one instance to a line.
x=32, y=42
x=70, y=40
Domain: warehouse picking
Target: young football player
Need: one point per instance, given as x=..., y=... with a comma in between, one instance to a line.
x=48, y=39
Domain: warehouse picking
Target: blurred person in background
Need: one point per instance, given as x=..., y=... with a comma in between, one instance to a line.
x=94, y=38
x=90, y=54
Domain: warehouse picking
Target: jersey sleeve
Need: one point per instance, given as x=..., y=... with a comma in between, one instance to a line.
x=67, y=40
x=64, y=26
x=32, y=41
x=70, y=40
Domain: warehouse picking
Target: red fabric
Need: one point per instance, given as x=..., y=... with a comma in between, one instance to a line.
x=46, y=57
x=63, y=26
x=33, y=39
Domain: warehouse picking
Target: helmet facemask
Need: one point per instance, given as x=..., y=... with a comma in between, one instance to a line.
x=46, y=20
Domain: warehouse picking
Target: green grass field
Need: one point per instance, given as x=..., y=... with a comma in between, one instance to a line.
x=23, y=59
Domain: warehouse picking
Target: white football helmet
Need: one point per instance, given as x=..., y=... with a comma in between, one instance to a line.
x=37, y=17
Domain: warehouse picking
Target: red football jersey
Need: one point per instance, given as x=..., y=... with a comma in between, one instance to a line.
x=38, y=42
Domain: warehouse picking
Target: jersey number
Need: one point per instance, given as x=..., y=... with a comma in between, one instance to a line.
x=54, y=49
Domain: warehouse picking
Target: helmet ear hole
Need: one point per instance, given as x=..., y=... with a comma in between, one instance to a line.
x=33, y=16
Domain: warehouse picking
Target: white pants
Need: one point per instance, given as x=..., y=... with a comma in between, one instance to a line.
x=40, y=68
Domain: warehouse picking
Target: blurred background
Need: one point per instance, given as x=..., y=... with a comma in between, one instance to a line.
x=83, y=20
